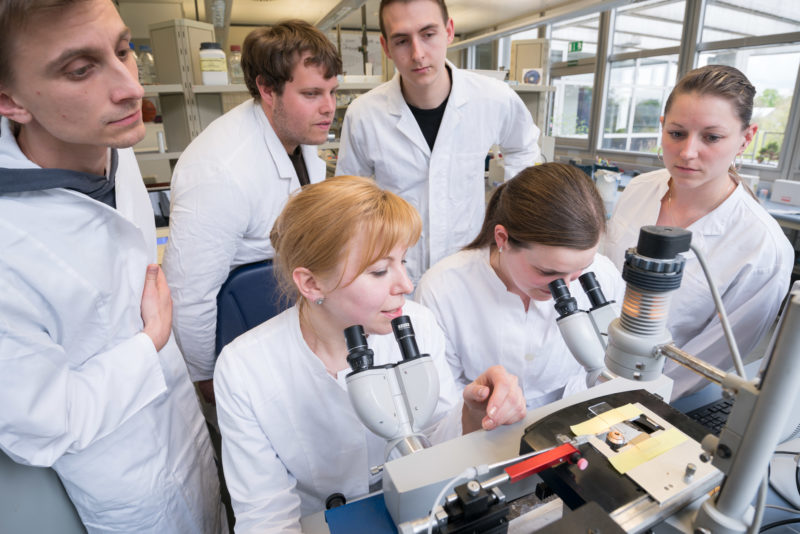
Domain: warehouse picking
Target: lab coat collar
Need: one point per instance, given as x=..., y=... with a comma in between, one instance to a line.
x=280, y=157
x=712, y=224
x=22, y=178
x=397, y=104
x=11, y=155
x=458, y=95
x=407, y=124
x=311, y=361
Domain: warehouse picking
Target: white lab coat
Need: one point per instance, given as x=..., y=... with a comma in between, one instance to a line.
x=81, y=388
x=750, y=260
x=381, y=138
x=229, y=186
x=290, y=436
x=487, y=325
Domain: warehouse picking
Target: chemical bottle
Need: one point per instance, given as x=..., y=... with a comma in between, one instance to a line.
x=213, y=64
x=147, y=72
x=137, y=60
x=235, y=63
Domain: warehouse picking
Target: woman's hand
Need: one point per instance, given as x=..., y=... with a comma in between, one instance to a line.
x=493, y=399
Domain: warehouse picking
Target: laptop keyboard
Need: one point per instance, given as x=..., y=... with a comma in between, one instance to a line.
x=714, y=415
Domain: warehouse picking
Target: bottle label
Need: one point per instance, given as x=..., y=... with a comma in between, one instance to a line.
x=213, y=64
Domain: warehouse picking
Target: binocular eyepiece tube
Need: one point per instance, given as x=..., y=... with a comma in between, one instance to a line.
x=359, y=355
x=404, y=334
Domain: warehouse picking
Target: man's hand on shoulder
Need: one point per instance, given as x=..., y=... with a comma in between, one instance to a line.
x=156, y=306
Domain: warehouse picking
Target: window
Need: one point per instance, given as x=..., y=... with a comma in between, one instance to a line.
x=483, y=56
x=572, y=107
x=574, y=39
x=773, y=72
x=573, y=51
x=648, y=26
x=760, y=39
x=732, y=19
x=637, y=91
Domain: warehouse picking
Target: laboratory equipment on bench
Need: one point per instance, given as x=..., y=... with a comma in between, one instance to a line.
x=650, y=467
x=397, y=400
x=585, y=331
x=609, y=346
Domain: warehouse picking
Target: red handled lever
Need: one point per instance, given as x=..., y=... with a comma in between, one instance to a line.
x=557, y=456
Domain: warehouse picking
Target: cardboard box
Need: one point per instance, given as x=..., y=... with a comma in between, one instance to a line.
x=786, y=192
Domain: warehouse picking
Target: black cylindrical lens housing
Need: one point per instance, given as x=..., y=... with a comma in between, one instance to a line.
x=564, y=303
x=404, y=333
x=592, y=289
x=359, y=355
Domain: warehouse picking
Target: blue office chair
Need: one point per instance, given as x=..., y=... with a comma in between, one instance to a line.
x=248, y=297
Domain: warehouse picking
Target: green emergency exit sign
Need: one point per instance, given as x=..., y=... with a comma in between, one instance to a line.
x=575, y=46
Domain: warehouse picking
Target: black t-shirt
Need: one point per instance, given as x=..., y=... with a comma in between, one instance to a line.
x=429, y=120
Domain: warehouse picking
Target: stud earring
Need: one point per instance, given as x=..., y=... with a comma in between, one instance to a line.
x=319, y=301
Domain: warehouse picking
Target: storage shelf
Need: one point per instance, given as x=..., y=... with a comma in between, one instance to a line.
x=157, y=156
x=231, y=88
x=530, y=88
x=160, y=89
x=358, y=86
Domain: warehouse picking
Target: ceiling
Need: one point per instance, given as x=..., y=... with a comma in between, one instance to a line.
x=469, y=15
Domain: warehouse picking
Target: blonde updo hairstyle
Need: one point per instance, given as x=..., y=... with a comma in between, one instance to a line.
x=317, y=227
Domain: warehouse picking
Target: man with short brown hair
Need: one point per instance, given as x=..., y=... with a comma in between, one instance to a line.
x=232, y=181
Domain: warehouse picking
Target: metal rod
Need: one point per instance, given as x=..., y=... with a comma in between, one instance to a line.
x=697, y=365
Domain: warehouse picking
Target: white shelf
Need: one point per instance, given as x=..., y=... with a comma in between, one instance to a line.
x=157, y=156
x=530, y=88
x=160, y=89
x=358, y=86
x=231, y=88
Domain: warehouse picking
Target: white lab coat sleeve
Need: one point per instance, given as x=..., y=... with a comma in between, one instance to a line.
x=262, y=490
x=426, y=296
x=751, y=303
x=351, y=159
x=49, y=408
x=447, y=418
x=519, y=137
x=208, y=217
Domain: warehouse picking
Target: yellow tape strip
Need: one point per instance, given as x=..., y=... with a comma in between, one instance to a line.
x=648, y=449
x=604, y=421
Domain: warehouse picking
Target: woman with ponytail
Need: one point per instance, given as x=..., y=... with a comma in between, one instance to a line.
x=492, y=298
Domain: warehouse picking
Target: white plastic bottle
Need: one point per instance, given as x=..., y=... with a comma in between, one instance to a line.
x=137, y=60
x=212, y=64
x=235, y=63
x=147, y=71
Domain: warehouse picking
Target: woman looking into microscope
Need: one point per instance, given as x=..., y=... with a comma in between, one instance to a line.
x=492, y=298
x=705, y=127
x=290, y=435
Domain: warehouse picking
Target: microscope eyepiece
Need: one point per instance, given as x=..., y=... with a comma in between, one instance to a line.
x=592, y=289
x=564, y=303
x=404, y=333
x=359, y=355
